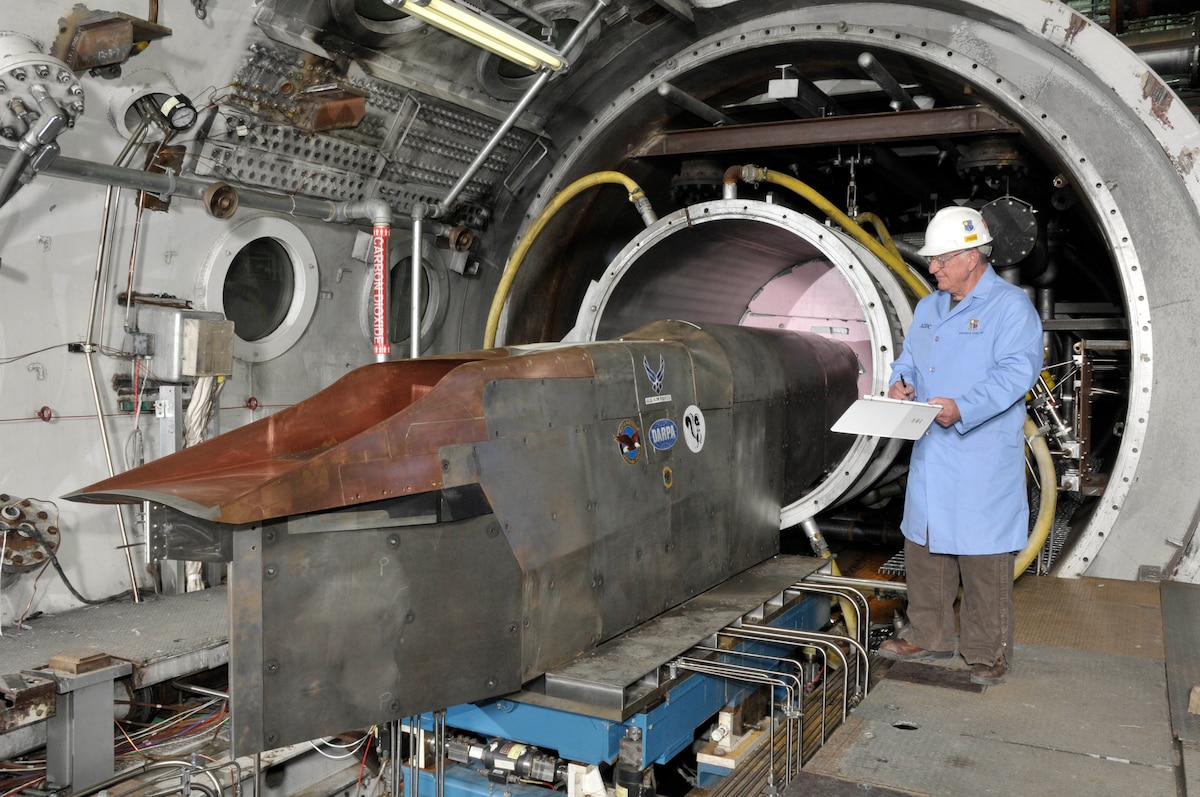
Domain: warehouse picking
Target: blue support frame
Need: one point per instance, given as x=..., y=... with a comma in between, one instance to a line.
x=667, y=729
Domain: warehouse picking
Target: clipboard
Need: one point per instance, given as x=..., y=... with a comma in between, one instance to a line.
x=887, y=417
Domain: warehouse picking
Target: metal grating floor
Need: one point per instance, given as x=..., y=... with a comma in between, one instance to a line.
x=1066, y=722
x=1090, y=614
x=161, y=627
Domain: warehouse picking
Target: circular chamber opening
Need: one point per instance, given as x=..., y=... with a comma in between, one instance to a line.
x=758, y=264
x=1091, y=256
x=262, y=275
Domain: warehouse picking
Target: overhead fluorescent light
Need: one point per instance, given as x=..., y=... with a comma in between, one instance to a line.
x=474, y=26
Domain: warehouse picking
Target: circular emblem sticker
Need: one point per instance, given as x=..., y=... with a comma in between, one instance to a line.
x=629, y=441
x=693, y=428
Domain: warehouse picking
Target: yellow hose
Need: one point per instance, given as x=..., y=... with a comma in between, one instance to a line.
x=885, y=238
x=518, y=255
x=1049, y=503
x=891, y=259
x=844, y=603
x=880, y=230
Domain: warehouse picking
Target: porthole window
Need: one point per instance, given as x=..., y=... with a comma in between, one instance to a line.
x=506, y=80
x=400, y=299
x=434, y=290
x=372, y=23
x=259, y=288
x=262, y=274
x=562, y=30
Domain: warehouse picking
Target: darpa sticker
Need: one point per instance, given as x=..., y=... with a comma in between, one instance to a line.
x=656, y=380
x=629, y=440
x=693, y=428
x=663, y=434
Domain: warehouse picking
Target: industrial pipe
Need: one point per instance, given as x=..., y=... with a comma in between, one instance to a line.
x=880, y=230
x=901, y=99
x=414, y=337
x=821, y=549
x=379, y=286
x=380, y=214
x=53, y=120
x=169, y=184
x=687, y=102
x=8, y=178
x=443, y=207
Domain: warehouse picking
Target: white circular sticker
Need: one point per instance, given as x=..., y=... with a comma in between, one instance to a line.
x=693, y=428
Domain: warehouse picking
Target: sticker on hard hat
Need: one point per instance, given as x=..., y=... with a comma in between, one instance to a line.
x=968, y=225
x=970, y=238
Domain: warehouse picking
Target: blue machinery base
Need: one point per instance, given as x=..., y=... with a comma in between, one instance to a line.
x=667, y=728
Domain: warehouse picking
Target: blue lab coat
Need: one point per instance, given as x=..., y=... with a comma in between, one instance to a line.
x=966, y=483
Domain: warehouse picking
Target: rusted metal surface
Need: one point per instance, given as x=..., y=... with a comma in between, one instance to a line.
x=29, y=533
x=103, y=38
x=333, y=109
x=879, y=128
x=25, y=698
x=372, y=435
x=79, y=662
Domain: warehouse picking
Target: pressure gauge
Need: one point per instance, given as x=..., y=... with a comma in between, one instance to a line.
x=178, y=111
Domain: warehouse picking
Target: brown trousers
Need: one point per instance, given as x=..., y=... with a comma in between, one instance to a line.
x=986, y=613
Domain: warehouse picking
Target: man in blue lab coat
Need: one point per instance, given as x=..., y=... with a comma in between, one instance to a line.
x=975, y=348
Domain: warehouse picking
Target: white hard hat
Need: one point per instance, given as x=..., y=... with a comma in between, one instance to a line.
x=953, y=229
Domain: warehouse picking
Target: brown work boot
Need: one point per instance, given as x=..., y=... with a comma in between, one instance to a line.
x=989, y=674
x=903, y=650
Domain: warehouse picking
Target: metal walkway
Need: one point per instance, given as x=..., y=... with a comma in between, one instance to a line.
x=1085, y=710
x=163, y=637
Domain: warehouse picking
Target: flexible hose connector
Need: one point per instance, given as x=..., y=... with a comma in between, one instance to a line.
x=636, y=196
x=815, y=539
x=821, y=549
x=1049, y=503
x=880, y=230
x=892, y=259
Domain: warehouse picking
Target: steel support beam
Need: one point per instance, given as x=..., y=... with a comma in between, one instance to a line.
x=876, y=128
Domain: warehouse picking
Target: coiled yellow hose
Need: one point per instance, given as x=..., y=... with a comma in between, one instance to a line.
x=514, y=261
